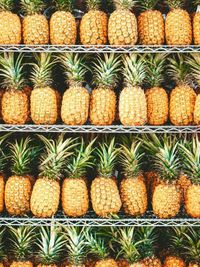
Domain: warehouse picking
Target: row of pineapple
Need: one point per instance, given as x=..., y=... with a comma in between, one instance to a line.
x=96, y=28
x=42, y=105
x=102, y=247
x=171, y=181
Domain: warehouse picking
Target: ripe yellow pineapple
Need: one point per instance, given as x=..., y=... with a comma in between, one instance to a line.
x=35, y=24
x=173, y=261
x=157, y=98
x=184, y=182
x=191, y=158
x=93, y=26
x=21, y=240
x=196, y=22
x=76, y=99
x=18, y=186
x=122, y=24
x=182, y=97
x=132, y=100
x=10, y=24
x=133, y=190
x=103, y=98
x=46, y=190
x=75, y=197
x=104, y=191
x=63, y=29
x=44, y=100
x=15, y=102
x=178, y=26
x=151, y=25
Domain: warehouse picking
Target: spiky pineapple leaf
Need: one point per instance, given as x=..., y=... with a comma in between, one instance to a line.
x=6, y=5
x=194, y=62
x=192, y=245
x=3, y=156
x=93, y=4
x=3, y=255
x=31, y=7
x=147, y=4
x=64, y=5
x=175, y=3
x=125, y=4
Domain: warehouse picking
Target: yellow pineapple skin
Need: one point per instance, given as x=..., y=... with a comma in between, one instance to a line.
x=63, y=30
x=157, y=106
x=122, y=28
x=72, y=265
x=2, y=192
x=152, y=262
x=182, y=104
x=35, y=30
x=10, y=28
x=133, y=107
x=178, y=27
x=193, y=265
x=184, y=183
x=21, y=264
x=133, y=194
x=44, y=106
x=122, y=263
x=75, y=198
x=192, y=201
x=102, y=106
x=45, y=197
x=17, y=195
x=172, y=261
x=45, y=265
x=197, y=111
x=75, y=106
x=105, y=196
x=196, y=28
x=151, y=28
x=15, y=107
x=166, y=201
x=106, y=263
x=93, y=28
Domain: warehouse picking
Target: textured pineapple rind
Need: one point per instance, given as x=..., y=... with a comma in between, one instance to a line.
x=192, y=201
x=2, y=191
x=172, y=261
x=106, y=263
x=21, y=264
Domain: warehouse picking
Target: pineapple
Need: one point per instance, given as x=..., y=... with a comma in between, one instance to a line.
x=75, y=197
x=99, y=248
x=15, y=102
x=133, y=190
x=10, y=24
x=182, y=97
x=151, y=25
x=157, y=98
x=104, y=191
x=19, y=186
x=178, y=26
x=46, y=191
x=76, y=99
x=122, y=24
x=103, y=99
x=63, y=29
x=21, y=241
x=196, y=22
x=50, y=243
x=93, y=26
x=35, y=24
x=191, y=159
x=132, y=101
x=76, y=246
x=44, y=100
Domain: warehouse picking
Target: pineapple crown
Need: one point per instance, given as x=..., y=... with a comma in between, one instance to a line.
x=42, y=70
x=190, y=153
x=22, y=154
x=173, y=4
x=196, y=2
x=106, y=71
x=194, y=63
x=74, y=67
x=6, y=5
x=21, y=242
x=131, y=159
x=32, y=7
x=134, y=70
x=96, y=244
x=76, y=245
x=107, y=154
x=192, y=245
x=147, y=4
x=81, y=160
x=12, y=71
x=93, y=4
x=178, y=69
x=155, y=69
x=50, y=244
x=64, y=5
x=125, y=4
x=56, y=152
x=176, y=239
x=153, y=142
x=2, y=252
x=3, y=156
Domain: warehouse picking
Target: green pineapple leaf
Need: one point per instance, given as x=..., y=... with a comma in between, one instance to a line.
x=6, y=5
x=93, y=4
x=192, y=245
x=147, y=4
x=125, y=4
x=173, y=4
x=3, y=255
x=3, y=156
x=64, y=5
x=32, y=7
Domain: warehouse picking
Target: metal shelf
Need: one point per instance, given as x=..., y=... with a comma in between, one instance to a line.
x=92, y=220
x=100, y=49
x=98, y=129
